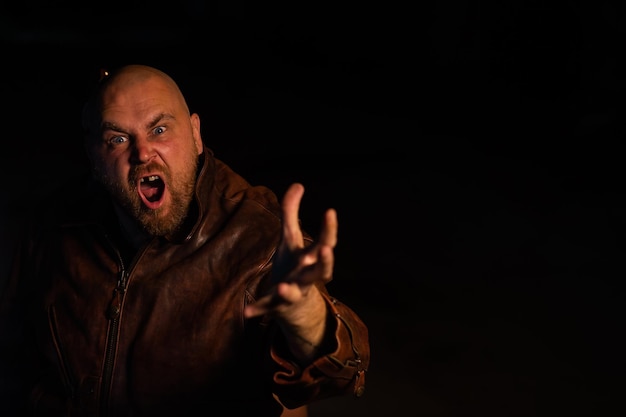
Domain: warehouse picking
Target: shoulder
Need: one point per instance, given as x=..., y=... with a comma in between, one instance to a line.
x=219, y=184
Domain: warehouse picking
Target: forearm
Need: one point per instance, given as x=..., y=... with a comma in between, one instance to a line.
x=306, y=340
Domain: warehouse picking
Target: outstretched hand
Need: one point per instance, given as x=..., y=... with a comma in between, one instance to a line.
x=294, y=300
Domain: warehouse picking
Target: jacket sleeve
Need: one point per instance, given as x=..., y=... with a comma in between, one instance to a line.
x=339, y=370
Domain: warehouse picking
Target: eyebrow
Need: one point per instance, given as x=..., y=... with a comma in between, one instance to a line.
x=110, y=126
x=158, y=118
x=153, y=122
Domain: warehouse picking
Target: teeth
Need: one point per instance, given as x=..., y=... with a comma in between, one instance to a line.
x=150, y=178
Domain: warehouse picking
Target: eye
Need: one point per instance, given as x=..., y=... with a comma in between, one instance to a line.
x=159, y=130
x=116, y=140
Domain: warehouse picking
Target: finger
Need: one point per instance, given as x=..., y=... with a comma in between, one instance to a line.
x=317, y=265
x=284, y=294
x=327, y=262
x=260, y=307
x=328, y=234
x=291, y=224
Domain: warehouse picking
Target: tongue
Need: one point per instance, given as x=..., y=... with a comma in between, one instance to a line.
x=150, y=192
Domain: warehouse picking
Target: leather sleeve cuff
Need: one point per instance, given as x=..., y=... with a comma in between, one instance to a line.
x=340, y=368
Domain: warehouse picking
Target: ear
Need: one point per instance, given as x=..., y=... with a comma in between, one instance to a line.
x=195, y=128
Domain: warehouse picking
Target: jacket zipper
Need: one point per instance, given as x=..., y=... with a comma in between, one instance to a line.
x=113, y=313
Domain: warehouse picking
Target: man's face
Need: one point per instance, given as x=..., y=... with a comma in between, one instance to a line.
x=146, y=155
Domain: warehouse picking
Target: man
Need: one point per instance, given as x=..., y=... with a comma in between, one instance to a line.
x=169, y=285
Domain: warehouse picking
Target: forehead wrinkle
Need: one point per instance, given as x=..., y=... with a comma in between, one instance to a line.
x=107, y=125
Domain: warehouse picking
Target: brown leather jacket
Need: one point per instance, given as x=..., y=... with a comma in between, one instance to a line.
x=160, y=331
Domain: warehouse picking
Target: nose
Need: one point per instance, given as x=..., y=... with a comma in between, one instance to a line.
x=143, y=151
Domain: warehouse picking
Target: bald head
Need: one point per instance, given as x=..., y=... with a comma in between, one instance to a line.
x=124, y=79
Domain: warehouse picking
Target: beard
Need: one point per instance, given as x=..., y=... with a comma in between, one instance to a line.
x=164, y=220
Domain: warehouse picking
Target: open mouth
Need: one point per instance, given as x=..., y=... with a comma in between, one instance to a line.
x=151, y=190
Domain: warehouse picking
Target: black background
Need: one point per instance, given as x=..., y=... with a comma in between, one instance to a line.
x=474, y=151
